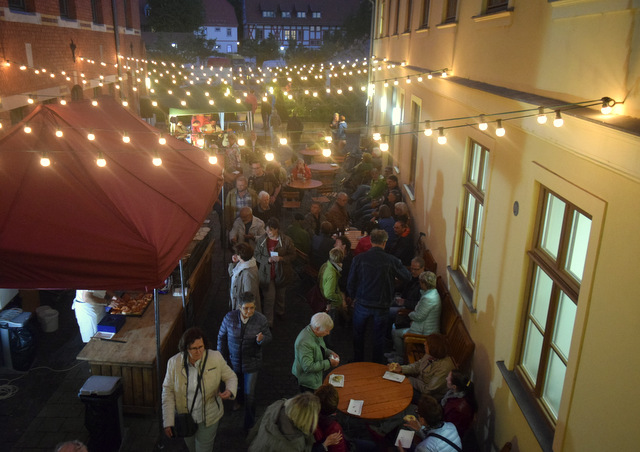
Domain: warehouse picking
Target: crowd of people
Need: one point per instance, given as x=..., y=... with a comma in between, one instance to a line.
x=378, y=281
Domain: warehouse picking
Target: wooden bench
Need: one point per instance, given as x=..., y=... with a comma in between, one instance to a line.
x=459, y=342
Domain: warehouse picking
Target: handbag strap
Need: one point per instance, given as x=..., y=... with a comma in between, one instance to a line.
x=451, y=443
x=206, y=353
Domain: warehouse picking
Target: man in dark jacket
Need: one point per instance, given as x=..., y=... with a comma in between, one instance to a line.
x=242, y=334
x=371, y=283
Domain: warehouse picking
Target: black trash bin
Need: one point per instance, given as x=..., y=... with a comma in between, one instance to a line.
x=102, y=397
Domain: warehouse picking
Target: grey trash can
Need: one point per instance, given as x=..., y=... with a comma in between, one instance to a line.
x=102, y=397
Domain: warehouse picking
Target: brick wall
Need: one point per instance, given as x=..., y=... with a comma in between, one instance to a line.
x=50, y=47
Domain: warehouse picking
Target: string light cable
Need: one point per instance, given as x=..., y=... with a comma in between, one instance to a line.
x=8, y=390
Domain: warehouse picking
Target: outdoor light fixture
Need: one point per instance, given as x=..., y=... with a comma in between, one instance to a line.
x=395, y=82
x=91, y=136
x=94, y=103
x=213, y=159
x=328, y=139
x=442, y=139
x=59, y=133
x=326, y=152
x=499, y=129
x=30, y=99
x=100, y=161
x=63, y=102
x=376, y=136
x=607, y=105
x=211, y=102
x=268, y=156
x=44, y=160
x=162, y=140
x=27, y=128
x=154, y=103
x=542, y=118
x=126, y=138
x=444, y=74
x=384, y=147
x=125, y=103
x=241, y=142
x=429, y=76
x=183, y=103
x=428, y=131
x=483, y=124
x=283, y=141
x=558, y=121
x=157, y=161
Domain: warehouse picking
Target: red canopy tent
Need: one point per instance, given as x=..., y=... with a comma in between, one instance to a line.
x=76, y=225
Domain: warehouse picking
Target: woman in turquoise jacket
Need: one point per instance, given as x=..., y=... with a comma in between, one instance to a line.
x=425, y=319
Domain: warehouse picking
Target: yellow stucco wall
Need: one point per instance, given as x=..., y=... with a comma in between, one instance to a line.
x=571, y=50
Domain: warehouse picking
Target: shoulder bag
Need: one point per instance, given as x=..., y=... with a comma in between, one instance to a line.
x=184, y=423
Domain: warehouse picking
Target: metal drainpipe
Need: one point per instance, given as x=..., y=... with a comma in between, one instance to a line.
x=114, y=11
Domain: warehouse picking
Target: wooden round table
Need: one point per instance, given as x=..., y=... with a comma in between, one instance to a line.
x=306, y=184
x=324, y=167
x=363, y=381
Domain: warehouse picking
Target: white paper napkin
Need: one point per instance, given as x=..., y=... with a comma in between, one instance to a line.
x=355, y=407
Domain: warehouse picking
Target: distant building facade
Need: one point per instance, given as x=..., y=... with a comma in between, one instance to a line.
x=221, y=24
x=308, y=23
x=68, y=48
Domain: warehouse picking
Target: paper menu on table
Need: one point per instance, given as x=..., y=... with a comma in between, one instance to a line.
x=355, y=407
x=405, y=438
x=393, y=376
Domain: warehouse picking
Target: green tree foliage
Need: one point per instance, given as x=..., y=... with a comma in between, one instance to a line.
x=267, y=49
x=182, y=47
x=178, y=16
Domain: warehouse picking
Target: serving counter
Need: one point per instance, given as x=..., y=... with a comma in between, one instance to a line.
x=131, y=353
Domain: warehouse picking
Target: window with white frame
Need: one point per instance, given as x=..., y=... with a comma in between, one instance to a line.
x=451, y=11
x=494, y=6
x=557, y=261
x=301, y=15
x=268, y=14
x=286, y=14
x=316, y=15
x=426, y=4
x=475, y=188
x=228, y=32
x=290, y=35
x=407, y=27
x=381, y=17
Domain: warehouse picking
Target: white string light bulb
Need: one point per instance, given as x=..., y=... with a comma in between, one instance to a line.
x=542, y=118
x=59, y=133
x=376, y=136
x=44, y=160
x=94, y=103
x=268, y=156
x=483, y=123
x=100, y=161
x=283, y=141
x=27, y=128
x=91, y=136
x=212, y=158
x=384, y=147
x=162, y=140
x=241, y=142
x=499, y=129
x=63, y=102
x=442, y=139
x=126, y=138
x=157, y=161
x=326, y=152
x=558, y=121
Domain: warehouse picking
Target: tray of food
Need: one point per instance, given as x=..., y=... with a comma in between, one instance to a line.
x=130, y=304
